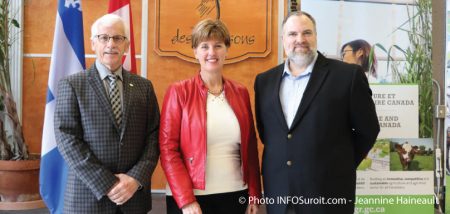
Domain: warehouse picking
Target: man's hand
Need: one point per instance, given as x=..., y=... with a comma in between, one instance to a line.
x=123, y=189
x=192, y=208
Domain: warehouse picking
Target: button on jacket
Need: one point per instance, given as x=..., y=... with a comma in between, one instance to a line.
x=183, y=137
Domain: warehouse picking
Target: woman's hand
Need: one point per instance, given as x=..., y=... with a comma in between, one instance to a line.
x=252, y=209
x=192, y=208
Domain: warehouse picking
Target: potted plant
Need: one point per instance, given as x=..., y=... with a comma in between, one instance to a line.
x=19, y=171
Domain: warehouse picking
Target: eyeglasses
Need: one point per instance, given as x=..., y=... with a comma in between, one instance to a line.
x=343, y=53
x=104, y=38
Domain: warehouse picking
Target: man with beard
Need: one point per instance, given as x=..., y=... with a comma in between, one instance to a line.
x=317, y=121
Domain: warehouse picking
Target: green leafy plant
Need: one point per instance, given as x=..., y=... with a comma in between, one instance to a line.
x=417, y=67
x=12, y=145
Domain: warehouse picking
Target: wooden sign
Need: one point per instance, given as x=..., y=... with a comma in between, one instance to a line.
x=249, y=23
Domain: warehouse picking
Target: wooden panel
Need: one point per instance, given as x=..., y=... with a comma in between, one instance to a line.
x=40, y=17
x=163, y=71
x=35, y=77
x=39, y=25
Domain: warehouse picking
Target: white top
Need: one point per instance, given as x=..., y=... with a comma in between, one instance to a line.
x=223, y=158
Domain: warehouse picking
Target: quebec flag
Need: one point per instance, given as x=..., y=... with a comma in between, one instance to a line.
x=67, y=58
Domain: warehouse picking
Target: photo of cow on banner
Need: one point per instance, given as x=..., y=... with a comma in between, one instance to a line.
x=411, y=155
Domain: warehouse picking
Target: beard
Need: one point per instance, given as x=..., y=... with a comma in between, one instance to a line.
x=302, y=59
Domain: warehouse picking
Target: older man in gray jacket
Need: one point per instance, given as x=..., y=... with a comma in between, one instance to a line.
x=106, y=124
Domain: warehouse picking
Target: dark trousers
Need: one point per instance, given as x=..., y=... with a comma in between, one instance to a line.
x=118, y=211
x=225, y=203
x=290, y=209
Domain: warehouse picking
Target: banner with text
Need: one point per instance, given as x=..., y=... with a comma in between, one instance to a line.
x=397, y=109
x=397, y=177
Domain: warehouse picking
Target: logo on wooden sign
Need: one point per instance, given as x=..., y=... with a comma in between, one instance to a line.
x=249, y=23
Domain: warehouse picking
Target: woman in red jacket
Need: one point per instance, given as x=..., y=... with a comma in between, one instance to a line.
x=207, y=137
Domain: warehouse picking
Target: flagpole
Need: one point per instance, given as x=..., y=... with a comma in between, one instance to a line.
x=144, y=39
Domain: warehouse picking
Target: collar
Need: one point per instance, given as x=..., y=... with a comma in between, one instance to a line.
x=103, y=71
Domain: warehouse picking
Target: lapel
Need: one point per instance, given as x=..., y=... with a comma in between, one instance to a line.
x=320, y=71
x=276, y=97
x=127, y=87
x=100, y=92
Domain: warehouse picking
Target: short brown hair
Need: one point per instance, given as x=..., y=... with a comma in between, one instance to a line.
x=299, y=13
x=210, y=29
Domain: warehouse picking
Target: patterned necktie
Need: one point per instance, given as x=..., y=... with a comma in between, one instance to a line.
x=114, y=97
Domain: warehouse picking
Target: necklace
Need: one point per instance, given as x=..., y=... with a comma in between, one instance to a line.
x=218, y=92
x=213, y=92
x=216, y=96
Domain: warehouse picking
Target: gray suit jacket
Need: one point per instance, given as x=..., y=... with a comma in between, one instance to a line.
x=95, y=148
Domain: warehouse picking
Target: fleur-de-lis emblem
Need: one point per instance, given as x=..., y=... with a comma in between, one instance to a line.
x=73, y=4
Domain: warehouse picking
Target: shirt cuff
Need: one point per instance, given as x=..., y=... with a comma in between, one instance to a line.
x=140, y=186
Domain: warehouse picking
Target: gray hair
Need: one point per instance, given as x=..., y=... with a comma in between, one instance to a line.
x=108, y=20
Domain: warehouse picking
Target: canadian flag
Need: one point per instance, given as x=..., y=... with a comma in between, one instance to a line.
x=122, y=8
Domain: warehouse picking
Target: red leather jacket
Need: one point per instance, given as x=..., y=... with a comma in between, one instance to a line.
x=182, y=137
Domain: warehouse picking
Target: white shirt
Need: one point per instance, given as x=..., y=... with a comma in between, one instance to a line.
x=292, y=89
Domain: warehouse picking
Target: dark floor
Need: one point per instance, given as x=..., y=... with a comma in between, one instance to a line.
x=158, y=204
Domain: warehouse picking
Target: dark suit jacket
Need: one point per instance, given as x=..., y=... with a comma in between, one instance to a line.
x=334, y=128
x=95, y=148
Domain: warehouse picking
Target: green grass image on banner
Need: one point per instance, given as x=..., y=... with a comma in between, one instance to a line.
x=419, y=163
x=447, y=197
